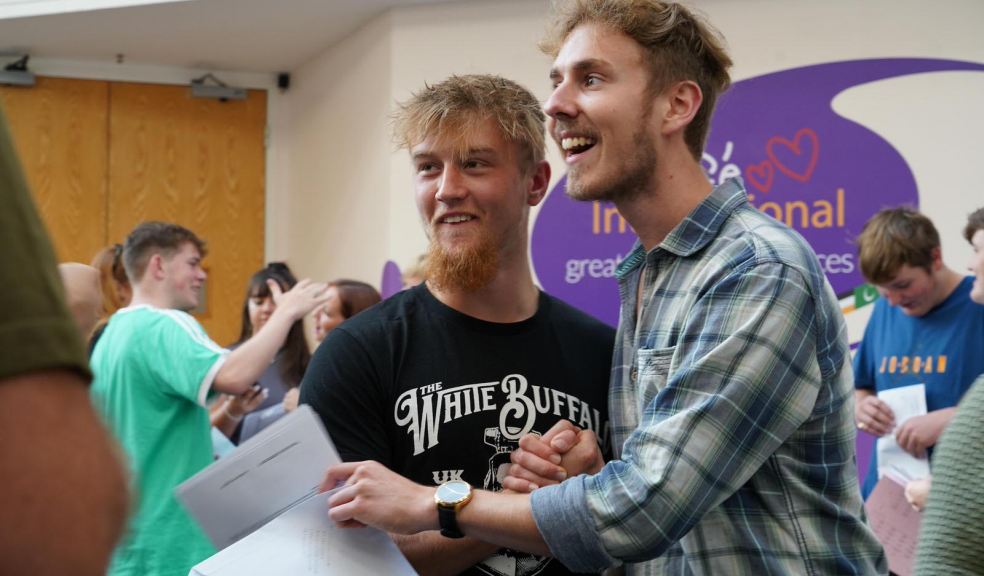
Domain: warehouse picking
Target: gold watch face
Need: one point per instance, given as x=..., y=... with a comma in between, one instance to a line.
x=453, y=492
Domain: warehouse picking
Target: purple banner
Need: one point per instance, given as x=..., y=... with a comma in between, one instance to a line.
x=822, y=174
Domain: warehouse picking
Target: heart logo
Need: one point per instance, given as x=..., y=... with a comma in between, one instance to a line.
x=760, y=175
x=796, y=158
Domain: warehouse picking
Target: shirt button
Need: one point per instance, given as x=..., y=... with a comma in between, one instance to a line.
x=633, y=374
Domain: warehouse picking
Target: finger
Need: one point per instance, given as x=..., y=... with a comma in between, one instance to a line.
x=518, y=485
x=877, y=429
x=524, y=474
x=585, y=456
x=342, y=514
x=907, y=441
x=338, y=473
x=883, y=410
x=535, y=445
x=536, y=466
x=564, y=440
x=557, y=428
x=876, y=417
x=275, y=290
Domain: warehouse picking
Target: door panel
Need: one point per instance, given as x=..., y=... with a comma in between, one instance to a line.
x=199, y=163
x=59, y=130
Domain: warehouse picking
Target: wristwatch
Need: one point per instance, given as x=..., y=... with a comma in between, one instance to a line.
x=451, y=497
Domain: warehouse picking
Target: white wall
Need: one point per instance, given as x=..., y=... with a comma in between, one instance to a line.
x=350, y=191
x=337, y=180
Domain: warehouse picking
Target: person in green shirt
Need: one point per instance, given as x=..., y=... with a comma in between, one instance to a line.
x=155, y=369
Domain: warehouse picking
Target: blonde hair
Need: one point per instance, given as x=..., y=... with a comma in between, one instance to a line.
x=893, y=238
x=455, y=107
x=678, y=45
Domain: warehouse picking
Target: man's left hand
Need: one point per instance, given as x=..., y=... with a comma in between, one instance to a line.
x=918, y=433
x=376, y=496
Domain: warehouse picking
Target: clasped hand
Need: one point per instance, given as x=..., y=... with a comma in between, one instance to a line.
x=564, y=451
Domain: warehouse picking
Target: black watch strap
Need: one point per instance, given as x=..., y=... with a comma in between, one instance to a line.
x=448, y=519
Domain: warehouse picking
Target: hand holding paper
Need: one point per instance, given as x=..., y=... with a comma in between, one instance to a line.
x=375, y=496
x=905, y=402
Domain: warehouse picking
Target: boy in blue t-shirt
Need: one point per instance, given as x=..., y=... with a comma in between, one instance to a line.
x=924, y=330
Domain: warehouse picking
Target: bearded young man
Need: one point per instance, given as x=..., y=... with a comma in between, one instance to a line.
x=731, y=397
x=441, y=380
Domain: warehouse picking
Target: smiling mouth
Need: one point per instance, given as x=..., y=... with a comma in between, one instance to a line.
x=456, y=219
x=577, y=145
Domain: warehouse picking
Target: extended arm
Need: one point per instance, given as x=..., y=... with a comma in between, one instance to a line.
x=246, y=363
x=379, y=497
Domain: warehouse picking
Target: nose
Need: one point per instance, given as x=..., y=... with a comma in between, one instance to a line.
x=560, y=104
x=451, y=186
x=268, y=306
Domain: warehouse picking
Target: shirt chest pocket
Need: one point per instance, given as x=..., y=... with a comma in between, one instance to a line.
x=650, y=373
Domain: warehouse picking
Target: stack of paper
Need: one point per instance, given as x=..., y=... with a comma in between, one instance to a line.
x=260, y=506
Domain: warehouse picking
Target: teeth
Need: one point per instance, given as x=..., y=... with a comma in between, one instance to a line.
x=456, y=219
x=569, y=143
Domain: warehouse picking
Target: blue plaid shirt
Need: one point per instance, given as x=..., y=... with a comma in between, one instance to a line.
x=732, y=414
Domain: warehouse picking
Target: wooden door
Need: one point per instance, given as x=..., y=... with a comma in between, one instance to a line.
x=59, y=130
x=199, y=163
x=102, y=157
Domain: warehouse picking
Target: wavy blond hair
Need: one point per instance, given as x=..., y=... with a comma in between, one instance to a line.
x=677, y=43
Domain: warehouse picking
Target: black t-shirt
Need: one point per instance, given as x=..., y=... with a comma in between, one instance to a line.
x=437, y=395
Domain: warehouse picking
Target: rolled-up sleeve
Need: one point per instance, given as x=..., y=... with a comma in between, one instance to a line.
x=562, y=517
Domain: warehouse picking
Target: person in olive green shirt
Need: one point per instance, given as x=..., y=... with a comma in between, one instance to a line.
x=63, y=500
x=951, y=539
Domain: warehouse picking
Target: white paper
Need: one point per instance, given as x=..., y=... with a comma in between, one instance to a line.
x=305, y=541
x=905, y=402
x=265, y=476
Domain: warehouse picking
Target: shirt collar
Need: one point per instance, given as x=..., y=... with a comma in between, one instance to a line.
x=696, y=230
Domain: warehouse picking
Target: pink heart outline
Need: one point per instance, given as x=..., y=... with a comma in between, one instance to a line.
x=753, y=171
x=797, y=149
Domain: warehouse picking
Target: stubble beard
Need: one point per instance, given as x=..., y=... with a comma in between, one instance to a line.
x=631, y=178
x=465, y=268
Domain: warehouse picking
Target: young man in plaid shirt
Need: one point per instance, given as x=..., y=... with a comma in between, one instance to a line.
x=732, y=409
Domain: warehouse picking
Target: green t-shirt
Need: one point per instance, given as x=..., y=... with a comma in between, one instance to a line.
x=36, y=330
x=154, y=369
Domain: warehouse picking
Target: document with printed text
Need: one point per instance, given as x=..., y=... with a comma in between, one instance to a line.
x=303, y=541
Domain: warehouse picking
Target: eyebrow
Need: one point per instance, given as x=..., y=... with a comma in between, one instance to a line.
x=480, y=151
x=581, y=66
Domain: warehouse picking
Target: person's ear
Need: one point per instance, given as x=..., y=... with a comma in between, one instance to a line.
x=539, y=181
x=155, y=267
x=936, y=262
x=683, y=101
